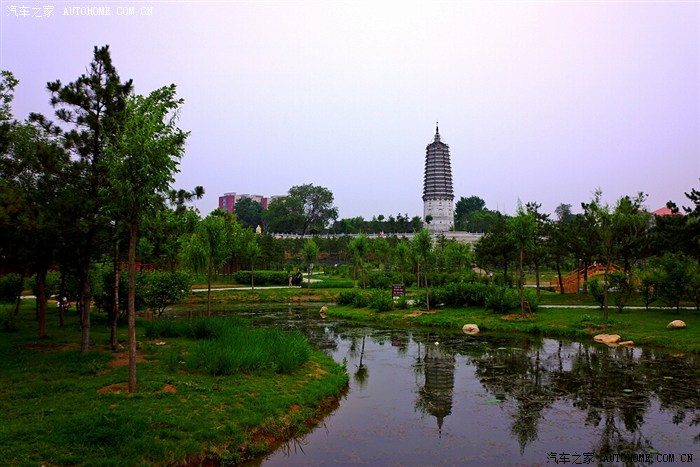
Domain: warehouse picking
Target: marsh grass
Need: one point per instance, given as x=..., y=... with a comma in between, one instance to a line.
x=227, y=345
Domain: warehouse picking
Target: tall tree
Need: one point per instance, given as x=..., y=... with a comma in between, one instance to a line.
x=316, y=206
x=91, y=105
x=539, y=250
x=465, y=208
x=33, y=175
x=179, y=198
x=616, y=228
x=359, y=250
x=557, y=235
x=208, y=247
x=496, y=248
x=522, y=229
x=422, y=244
x=141, y=159
x=310, y=252
x=248, y=212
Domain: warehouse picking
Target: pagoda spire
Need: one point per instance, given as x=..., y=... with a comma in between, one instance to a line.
x=437, y=133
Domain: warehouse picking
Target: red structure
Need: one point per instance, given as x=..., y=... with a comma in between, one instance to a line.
x=227, y=202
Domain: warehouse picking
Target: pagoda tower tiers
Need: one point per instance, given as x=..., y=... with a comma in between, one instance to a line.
x=438, y=196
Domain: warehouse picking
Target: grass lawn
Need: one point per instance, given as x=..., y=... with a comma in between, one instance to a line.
x=58, y=407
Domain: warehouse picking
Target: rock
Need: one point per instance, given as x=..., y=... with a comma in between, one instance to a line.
x=608, y=339
x=676, y=324
x=470, y=329
x=323, y=311
x=627, y=344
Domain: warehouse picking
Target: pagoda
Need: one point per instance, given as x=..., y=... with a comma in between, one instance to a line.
x=438, y=196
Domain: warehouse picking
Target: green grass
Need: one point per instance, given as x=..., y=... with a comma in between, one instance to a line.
x=58, y=407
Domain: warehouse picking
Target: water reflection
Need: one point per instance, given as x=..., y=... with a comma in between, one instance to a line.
x=448, y=398
x=435, y=395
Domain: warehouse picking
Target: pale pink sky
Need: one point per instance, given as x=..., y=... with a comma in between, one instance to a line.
x=539, y=101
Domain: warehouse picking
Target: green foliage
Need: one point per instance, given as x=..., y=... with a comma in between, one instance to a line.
x=383, y=279
x=502, y=299
x=7, y=317
x=50, y=382
x=162, y=289
x=647, y=288
x=347, y=297
x=239, y=348
x=595, y=289
x=381, y=300
x=305, y=208
x=52, y=282
x=673, y=274
x=261, y=278
x=10, y=286
x=464, y=294
x=620, y=289
x=103, y=294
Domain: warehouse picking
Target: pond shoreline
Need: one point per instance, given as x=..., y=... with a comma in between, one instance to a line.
x=643, y=327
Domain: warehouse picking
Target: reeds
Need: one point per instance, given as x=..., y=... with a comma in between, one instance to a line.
x=228, y=345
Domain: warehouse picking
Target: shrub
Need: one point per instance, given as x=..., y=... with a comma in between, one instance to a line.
x=10, y=286
x=8, y=318
x=532, y=299
x=103, y=295
x=379, y=280
x=401, y=303
x=381, y=300
x=465, y=294
x=595, y=288
x=261, y=278
x=502, y=299
x=361, y=300
x=162, y=289
x=347, y=297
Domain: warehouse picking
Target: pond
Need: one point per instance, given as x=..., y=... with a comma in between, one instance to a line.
x=425, y=397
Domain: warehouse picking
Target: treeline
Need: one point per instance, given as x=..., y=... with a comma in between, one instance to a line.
x=660, y=252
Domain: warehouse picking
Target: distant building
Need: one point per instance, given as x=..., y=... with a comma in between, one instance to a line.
x=227, y=202
x=438, y=196
x=665, y=211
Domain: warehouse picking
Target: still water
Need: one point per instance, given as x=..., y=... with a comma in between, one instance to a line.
x=422, y=397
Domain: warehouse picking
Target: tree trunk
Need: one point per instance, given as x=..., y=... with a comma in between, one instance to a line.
x=133, y=230
x=210, y=272
x=85, y=296
x=115, y=305
x=41, y=301
x=427, y=290
x=61, y=294
x=521, y=282
x=561, y=281
x=605, y=280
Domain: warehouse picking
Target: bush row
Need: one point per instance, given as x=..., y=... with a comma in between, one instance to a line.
x=492, y=297
x=461, y=294
x=261, y=278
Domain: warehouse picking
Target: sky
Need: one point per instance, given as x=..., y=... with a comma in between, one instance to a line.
x=540, y=101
